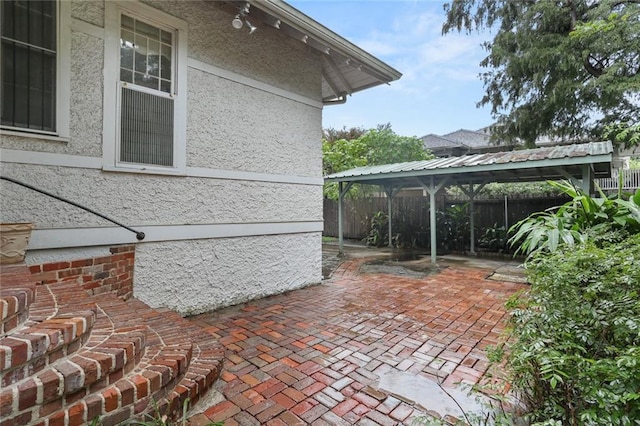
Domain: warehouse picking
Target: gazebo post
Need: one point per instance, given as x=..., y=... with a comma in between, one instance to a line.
x=471, y=193
x=341, y=193
x=388, y=189
x=433, y=189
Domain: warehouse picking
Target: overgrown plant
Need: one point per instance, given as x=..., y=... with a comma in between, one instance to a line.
x=379, y=233
x=581, y=219
x=573, y=356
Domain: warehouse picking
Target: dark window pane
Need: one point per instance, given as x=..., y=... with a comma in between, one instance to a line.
x=127, y=23
x=35, y=89
x=35, y=23
x=29, y=70
x=49, y=24
x=126, y=75
x=147, y=30
x=140, y=59
x=126, y=49
x=21, y=21
x=165, y=62
x=6, y=9
x=165, y=86
x=153, y=61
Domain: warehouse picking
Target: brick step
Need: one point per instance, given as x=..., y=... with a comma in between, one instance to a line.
x=30, y=349
x=17, y=293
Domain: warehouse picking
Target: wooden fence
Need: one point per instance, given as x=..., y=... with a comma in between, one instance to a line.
x=413, y=212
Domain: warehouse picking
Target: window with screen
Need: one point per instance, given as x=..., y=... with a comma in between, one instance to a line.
x=28, y=69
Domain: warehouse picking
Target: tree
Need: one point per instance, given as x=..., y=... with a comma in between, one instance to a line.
x=331, y=135
x=374, y=147
x=565, y=68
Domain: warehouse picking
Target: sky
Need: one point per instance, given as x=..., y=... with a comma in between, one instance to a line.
x=439, y=88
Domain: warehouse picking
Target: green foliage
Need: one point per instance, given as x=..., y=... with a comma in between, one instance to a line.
x=581, y=219
x=499, y=190
x=374, y=147
x=452, y=227
x=331, y=135
x=379, y=233
x=556, y=68
x=573, y=353
x=625, y=135
x=494, y=239
x=156, y=418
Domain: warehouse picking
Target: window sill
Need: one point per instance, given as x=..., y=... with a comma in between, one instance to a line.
x=145, y=170
x=32, y=135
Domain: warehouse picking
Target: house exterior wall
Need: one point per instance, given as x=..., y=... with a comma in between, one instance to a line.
x=245, y=218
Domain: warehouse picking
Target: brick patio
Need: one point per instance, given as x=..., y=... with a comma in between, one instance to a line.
x=315, y=355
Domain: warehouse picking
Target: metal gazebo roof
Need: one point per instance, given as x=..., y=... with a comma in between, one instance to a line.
x=580, y=163
x=549, y=163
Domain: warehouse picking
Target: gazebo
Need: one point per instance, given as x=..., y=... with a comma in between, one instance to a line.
x=578, y=163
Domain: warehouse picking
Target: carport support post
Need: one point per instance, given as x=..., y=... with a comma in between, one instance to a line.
x=341, y=193
x=390, y=194
x=433, y=189
x=471, y=193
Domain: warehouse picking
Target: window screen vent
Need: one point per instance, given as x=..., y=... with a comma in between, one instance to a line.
x=146, y=135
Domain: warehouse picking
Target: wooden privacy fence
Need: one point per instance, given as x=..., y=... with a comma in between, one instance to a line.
x=415, y=210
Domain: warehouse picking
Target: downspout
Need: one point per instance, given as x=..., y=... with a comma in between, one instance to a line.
x=342, y=99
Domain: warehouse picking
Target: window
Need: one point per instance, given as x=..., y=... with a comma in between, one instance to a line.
x=34, y=66
x=144, y=118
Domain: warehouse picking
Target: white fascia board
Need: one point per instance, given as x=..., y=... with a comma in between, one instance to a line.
x=103, y=236
x=334, y=41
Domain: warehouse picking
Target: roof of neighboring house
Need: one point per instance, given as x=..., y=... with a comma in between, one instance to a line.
x=432, y=141
x=505, y=166
x=469, y=138
x=346, y=68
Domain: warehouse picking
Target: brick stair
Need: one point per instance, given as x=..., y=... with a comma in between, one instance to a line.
x=68, y=357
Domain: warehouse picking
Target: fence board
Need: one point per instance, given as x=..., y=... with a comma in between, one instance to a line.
x=413, y=212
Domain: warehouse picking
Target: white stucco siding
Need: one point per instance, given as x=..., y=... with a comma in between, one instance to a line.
x=88, y=11
x=231, y=126
x=150, y=199
x=192, y=277
x=266, y=55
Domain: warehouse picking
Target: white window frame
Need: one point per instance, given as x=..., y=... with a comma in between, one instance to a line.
x=63, y=82
x=111, y=126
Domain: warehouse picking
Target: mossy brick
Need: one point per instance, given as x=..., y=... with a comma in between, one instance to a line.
x=72, y=376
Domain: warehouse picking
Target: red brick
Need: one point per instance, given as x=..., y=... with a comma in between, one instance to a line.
x=344, y=407
x=110, y=399
x=283, y=400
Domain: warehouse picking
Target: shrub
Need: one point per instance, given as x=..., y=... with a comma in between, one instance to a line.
x=581, y=219
x=574, y=355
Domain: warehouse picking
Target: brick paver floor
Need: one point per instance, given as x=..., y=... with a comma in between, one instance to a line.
x=315, y=355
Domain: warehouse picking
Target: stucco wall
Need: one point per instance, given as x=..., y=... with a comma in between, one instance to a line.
x=150, y=199
x=270, y=125
x=231, y=126
x=224, y=272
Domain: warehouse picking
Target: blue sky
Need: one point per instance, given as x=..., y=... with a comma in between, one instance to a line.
x=440, y=86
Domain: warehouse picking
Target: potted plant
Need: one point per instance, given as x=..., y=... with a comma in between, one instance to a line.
x=15, y=238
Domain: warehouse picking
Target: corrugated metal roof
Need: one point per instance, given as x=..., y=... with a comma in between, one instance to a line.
x=550, y=157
